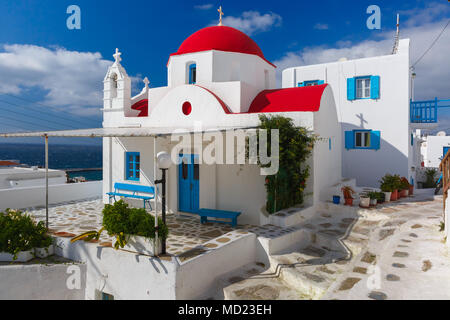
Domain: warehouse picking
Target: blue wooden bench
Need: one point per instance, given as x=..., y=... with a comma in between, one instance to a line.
x=212, y=213
x=121, y=188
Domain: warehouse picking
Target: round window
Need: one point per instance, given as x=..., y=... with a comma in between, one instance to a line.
x=187, y=108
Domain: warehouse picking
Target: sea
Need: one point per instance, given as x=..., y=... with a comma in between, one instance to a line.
x=59, y=157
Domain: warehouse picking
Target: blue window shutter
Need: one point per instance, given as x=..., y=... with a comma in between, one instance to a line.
x=192, y=71
x=321, y=82
x=375, y=140
x=301, y=84
x=374, y=87
x=349, y=140
x=351, y=88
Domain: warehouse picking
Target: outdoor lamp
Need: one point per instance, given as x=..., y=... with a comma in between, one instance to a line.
x=164, y=162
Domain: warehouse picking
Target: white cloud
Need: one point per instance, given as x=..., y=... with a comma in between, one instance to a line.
x=432, y=72
x=206, y=6
x=251, y=22
x=321, y=26
x=70, y=79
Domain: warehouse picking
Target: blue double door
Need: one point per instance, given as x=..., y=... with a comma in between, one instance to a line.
x=188, y=183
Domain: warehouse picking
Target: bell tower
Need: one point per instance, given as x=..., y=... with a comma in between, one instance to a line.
x=117, y=86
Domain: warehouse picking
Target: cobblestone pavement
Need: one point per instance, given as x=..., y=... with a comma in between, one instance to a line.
x=187, y=239
x=409, y=259
x=395, y=251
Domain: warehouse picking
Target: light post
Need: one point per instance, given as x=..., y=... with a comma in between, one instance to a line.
x=164, y=162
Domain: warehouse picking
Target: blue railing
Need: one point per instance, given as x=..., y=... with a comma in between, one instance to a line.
x=424, y=111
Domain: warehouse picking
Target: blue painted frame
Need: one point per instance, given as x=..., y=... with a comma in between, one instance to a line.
x=314, y=82
x=134, y=176
x=356, y=91
x=354, y=139
x=189, y=188
x=192, y=68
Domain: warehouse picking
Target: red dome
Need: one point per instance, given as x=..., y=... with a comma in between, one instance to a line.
x=220, y=38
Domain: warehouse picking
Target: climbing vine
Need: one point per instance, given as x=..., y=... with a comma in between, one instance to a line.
x=286, y=188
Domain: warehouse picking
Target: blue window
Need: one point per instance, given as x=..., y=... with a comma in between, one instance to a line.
x=362, y=139
x=132, y=166
x=310, y=83
x=192, y=73
x=367, y=87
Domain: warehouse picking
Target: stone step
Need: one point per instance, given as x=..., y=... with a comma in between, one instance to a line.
x=256, y=282
x=310, y=270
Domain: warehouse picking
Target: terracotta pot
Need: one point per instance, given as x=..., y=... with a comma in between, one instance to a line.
x=349, y=201
x=411, y=190
x=403, y=193
x=394, y=195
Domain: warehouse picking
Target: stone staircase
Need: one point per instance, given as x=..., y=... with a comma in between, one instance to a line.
x=337, y=237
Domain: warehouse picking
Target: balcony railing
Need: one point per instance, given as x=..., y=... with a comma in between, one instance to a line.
x=426, y=111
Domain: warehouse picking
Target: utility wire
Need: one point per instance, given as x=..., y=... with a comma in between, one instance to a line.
x=30, y=123
x=432, y=44
x=35, y=117
x=40, y=110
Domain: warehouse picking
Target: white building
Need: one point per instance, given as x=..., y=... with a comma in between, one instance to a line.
x=218, y=80
x=373, y=101
x=434, y=148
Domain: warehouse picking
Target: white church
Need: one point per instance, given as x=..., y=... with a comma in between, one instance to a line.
x=219, y=80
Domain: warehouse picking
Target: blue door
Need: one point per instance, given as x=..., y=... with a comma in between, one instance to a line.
x=445, y=151
x=188, y=183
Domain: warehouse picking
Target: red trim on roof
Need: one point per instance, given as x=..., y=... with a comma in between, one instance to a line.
x=8, y=163
x=141, y=106
x=302, y=99
x=224, y=106
x=220, y=38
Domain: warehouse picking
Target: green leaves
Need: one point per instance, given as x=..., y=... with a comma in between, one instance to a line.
x=119, y=221
x=19, y=232
x=286, y=188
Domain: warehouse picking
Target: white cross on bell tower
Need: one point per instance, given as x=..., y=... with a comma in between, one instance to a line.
x=117, y=56
x=146, y=82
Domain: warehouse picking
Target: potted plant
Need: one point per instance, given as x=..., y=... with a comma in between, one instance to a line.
x=411, y=189
x=380, y=197
x=386, y=188
x=373, y=195
x=17, y=232
x=134, y=229
x=364, y=200
x=404, y=187
x=42, y=242
x=336, y=199
x=391, y=183
x=348, y=195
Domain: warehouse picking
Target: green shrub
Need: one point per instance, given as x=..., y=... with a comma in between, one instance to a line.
x=286, y=188
x=19, y=232
x=390, y=182
x=119, y=220
x=430, y=175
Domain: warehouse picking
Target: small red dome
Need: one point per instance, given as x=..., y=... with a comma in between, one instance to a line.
x=220, y=38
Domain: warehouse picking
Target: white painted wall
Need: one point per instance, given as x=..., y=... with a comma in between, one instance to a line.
x=42, y=282
x=435, y=150
x=16, y=177
x=20, y=198
x=388, y=114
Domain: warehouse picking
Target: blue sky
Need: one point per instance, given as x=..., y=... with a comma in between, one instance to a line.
x=60, y=71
